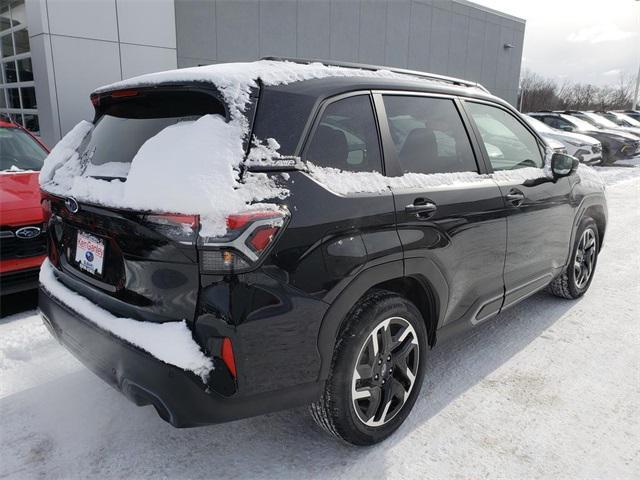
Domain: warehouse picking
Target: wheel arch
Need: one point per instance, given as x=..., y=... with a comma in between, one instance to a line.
x=428, y=292
x=594, y=206
x=421, y=294
x=598, y=214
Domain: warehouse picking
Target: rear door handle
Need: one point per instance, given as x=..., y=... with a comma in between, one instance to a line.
x=421, y=208
x=515, y=197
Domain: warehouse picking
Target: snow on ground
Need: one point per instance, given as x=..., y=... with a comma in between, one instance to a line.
x=548, y=389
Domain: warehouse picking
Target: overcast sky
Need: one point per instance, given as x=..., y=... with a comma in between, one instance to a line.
x=590, y=41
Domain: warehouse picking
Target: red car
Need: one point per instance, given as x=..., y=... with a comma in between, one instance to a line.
x=22, y=243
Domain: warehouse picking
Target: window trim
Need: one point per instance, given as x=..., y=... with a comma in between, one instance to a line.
x=487, y=160
x=389, y=149
x=319, y=110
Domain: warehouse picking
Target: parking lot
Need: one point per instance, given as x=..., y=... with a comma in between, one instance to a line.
x=548, y=389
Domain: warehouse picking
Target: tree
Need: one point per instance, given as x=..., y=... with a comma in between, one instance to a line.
x=540, y=93
x=537, y=92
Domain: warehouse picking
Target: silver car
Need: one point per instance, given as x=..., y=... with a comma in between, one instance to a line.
x=586, y=149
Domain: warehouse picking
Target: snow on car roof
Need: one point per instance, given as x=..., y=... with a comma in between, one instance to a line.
x=235, y=80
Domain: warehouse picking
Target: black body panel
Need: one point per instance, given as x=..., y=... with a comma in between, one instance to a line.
x=146, y=276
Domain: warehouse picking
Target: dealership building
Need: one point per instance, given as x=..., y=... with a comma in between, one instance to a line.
x=55, y=52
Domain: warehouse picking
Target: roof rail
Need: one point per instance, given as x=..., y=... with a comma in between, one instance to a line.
x=365, y=66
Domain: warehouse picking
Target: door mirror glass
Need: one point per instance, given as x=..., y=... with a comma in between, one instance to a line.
x=563, y=165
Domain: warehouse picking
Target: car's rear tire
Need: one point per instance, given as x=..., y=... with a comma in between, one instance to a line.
x=379, y=357
x=576, y=277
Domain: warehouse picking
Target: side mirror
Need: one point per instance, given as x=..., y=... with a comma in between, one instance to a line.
x=567, y=128
x=563, y=165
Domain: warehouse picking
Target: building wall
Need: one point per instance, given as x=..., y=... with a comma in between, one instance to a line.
x=450, y=37
x=17, y=88
x=78, y=45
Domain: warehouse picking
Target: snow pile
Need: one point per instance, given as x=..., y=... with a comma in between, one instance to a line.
x=345, y=183
x=16, y=169
x=169, y=342
x=63, y=160
x=189, y=167
x=263, y=153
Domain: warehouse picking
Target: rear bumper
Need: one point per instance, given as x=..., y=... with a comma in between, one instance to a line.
x=19, y=280
x=179, y=397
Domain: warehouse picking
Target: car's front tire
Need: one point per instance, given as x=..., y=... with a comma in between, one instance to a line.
x=576, y=277
x=376, y=371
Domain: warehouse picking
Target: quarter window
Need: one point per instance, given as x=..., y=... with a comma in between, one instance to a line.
x=508, y=143
x=428, y=135
x=346, y=137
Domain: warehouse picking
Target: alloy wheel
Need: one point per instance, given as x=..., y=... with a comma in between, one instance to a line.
x=385, y=371
x=584, y=259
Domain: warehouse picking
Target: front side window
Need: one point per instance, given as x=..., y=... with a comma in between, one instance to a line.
x=428, y=135
x=508, y=143
x=346, y=137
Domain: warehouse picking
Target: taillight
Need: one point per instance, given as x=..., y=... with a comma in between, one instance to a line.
x=46, y=208
x=177, y=227
x=249, y=235
x=227, y=356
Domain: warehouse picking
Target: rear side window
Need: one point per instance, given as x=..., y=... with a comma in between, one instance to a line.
x=428, y=135
x=508, y=143
x=346, y=137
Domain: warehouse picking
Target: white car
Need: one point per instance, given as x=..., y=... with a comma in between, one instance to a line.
x=599, y=121
x=620, y=119
x=584, y=148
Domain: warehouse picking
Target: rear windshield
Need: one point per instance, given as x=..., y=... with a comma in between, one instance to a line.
x=125, y=124
x=117, y=140
x=19, y=151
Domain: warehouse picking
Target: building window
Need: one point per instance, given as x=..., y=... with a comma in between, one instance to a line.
x=17, y=90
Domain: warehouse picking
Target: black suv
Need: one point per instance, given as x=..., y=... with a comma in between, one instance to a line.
x=336, y=303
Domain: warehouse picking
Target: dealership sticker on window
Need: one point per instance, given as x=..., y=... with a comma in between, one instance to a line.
x=89, y=253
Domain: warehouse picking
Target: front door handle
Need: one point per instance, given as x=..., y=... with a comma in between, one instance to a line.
x=421, y=208
x=515, y=197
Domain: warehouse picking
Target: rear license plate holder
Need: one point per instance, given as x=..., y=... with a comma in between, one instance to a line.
x=90, y=253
